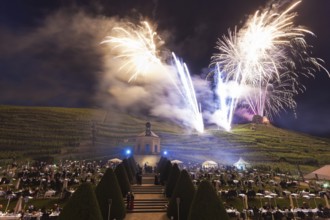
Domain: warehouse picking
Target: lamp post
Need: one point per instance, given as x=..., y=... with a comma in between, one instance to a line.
x=178, y=206
x=109, y=202
x=9, y=198
x=26, y=200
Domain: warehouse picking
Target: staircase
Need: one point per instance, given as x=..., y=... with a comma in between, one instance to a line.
x=148, y=189
x=148, y=197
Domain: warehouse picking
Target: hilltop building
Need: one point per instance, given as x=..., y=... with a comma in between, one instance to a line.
x=147, y=143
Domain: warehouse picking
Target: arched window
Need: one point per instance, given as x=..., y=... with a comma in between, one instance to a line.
x=147, y=150
x=138, y=148
x=156, y=149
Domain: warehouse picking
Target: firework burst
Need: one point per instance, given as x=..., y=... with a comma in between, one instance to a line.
x=268, y=54
x=137, y=46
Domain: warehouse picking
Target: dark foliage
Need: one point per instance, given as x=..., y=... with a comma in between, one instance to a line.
x=172, y=179
x=165, y=173
x=206, y=204
x=128, y=170
x=133, y=165
x=122, y=178
x=161, y=164
x=184, y=190
x=82, y=205
x=108, y=188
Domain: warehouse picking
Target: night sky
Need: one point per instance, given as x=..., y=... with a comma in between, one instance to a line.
x=50, y=53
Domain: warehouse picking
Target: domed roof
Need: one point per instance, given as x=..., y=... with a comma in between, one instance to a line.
x=144, y=134
x=148, y=132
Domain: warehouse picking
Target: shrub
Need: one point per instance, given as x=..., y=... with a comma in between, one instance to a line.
x=128, y=170
x=122, y=178
x=184, y=189
x=82, y=205
x=172, y=179
x=161, y=164
x=133, y=165
x=108, y=188
x=206, y=205
x=166, y=171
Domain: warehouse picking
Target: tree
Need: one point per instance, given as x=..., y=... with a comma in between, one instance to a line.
x=161, y=164
x=206, y=204
x=133, y=165
x=122, y=178
x=108, y=188
x=128, y=170
x=184, y=190
x=82, y=205
x=172, y=179
x=166, y=171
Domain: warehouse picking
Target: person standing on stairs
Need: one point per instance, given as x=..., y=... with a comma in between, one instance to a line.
x=132, y=201
x=128, y=200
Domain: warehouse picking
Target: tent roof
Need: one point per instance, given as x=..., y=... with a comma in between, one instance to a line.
x=209, y=163
x=322, y=173
x=241, y=161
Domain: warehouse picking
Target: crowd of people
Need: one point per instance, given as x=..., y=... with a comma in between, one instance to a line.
x=40, y=179
x=44, y=180
x=267, y=187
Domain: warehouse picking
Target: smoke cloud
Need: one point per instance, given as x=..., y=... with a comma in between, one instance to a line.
x=61, y=62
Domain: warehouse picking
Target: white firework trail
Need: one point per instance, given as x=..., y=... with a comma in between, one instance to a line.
x=186, y=89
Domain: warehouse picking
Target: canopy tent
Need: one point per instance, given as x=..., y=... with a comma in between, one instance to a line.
x=241, y=164
x=176, y=161
x=209, y=164
x=115, y=160
x=322, y=173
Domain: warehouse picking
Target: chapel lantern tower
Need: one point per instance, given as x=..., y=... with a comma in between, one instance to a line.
x=148, y=129
x=147, y=143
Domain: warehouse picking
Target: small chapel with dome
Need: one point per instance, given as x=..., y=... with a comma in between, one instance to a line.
x=147, y=143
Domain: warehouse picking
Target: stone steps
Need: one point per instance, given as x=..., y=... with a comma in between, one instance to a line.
x=149, y=205
x=148, y=180
x=145, y=204
x=148, y=189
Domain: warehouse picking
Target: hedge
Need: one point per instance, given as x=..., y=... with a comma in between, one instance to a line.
x=206, y=204
x=82, y=205
x=108, y=188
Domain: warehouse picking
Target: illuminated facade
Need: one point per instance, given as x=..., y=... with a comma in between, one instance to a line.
x=147, y=142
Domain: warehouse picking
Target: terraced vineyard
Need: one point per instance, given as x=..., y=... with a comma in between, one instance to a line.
x=30, y=132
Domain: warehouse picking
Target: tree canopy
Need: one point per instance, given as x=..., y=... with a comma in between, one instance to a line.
x=82, y=205
x=171, y=181
x=206, y=204
x=108, y=188
x=122, y=178
x=184, y=190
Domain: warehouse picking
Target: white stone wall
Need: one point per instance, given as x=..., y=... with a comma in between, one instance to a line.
x=143, y=141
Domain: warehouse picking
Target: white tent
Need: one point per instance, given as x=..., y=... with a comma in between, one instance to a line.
x=176, y=161
x=115, y=160
x=209, y=164
x=322, y=173
x=241, y=164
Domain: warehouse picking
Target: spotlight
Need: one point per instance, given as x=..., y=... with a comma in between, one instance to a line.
x=165, y=153
x=128, y=152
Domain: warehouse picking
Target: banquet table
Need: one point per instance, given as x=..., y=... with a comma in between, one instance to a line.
x=28, y=216
x=4, y=216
